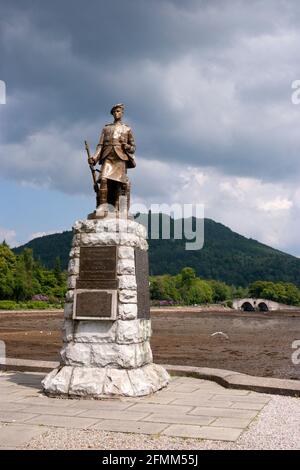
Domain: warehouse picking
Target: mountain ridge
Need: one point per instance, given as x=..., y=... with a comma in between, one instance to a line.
x=226, y=255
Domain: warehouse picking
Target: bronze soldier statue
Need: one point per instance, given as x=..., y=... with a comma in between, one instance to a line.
x=115, y=151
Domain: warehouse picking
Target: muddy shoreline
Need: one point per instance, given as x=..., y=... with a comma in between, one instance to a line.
x=258, y=343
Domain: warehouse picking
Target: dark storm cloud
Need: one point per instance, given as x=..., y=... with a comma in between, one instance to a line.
x=206, y=83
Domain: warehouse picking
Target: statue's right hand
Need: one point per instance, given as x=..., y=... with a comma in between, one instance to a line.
x=91, y=161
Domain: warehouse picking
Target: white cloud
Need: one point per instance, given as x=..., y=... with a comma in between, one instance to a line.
x=277, y=204
x=41, y=234
x=247, y=205
x=8, y=235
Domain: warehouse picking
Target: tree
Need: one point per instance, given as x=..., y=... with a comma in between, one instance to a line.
x=7, y=268
x=199, y=293
x=220, y=291
x=57, y=270
x=187, y=276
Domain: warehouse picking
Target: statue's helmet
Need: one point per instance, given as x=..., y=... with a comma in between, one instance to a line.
x=119, y=105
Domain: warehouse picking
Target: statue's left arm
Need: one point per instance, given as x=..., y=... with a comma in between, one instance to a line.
x=130, y=144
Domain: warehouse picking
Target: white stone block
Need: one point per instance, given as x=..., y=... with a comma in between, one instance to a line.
x=126, y=266
x=127, y=311
x=104, y=355
x=71, y=282
x=117, y=383
x=148, y=379
x=127, y=296
x=143, y=354
x=77, y=227
x=129, y=332
x=146, y=328
x=68, y=330
x=70, y=295
x=95, y=331
x=129, y=239
x=68, y=309
x=74, y=354
x=160, y=372
x=141, y=231
x=140, y=382
x=143, y=244
x=76, y=241
x=73, y=267
x=87, y=381
x=58, y=381
x=98, y=239
x=126, y=252
x=75, y=252
x=121, y=355
x=127, y=281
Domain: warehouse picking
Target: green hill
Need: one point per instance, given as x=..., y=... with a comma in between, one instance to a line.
x=226, y=256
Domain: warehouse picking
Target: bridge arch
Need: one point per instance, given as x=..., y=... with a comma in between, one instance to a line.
x=263, y=307
x=247, y=307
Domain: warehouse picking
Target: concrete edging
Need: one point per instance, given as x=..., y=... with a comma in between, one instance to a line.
x=237, y=380
x=226, y=378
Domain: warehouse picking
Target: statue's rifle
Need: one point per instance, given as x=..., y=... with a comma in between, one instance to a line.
x=93, y=171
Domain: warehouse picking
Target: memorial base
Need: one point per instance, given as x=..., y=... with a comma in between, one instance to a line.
x=95, y=382
x=107, y=324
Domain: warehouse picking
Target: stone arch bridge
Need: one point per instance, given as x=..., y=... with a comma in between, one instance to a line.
x=260, y=305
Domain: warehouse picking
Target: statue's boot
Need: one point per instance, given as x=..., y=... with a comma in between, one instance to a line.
x=102, y=209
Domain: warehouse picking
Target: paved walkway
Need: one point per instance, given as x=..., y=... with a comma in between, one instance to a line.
x=188, y=408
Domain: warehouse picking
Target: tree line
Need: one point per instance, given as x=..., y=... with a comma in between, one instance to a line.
x=187, y=289
x=25, y=282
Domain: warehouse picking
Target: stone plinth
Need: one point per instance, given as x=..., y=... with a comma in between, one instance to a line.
x=107, y=324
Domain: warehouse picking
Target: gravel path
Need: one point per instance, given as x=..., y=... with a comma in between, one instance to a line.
x=278, y=427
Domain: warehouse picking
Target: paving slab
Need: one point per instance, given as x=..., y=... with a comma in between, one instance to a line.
x=101, y=404
x=15, y=435
x=53, y=410
x=15, y=416
x=130, y=427
x=241, y=423
x=203, y=432
x=6, y=406
x=180, y=419
x=43, y=400
x=183, y=430
x=196, y=401
x=242, y=405
x=62, y=421
x=252, y=398
x=156, y=408
x=111, y=414
x=218, y=389
x=223, y=412
x=177, y=395
x=160, y=399
x=220, y=434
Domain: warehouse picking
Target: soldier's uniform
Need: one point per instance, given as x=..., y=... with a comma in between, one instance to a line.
x=115, y=151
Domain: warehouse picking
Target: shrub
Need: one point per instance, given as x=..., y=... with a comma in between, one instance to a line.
x=8, y=305
x=40, y=297
x=36, y=304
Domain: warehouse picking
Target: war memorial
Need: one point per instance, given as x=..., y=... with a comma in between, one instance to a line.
x=107, y=323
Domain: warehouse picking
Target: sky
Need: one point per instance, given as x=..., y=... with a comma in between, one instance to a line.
x=207, y=88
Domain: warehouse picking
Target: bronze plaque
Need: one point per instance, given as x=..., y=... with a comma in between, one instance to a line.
x=142, y=281
x=94, y=304
x=98, y=268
